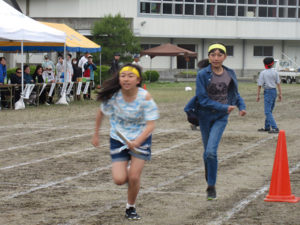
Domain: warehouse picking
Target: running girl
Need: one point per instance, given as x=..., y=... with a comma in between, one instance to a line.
x=217, y=94
x=132, y=113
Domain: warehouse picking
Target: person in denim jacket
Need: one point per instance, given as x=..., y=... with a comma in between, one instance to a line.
x=217, y=95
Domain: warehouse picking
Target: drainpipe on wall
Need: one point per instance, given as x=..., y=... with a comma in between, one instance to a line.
x=243, y=58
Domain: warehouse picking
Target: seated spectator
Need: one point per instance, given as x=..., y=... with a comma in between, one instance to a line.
x=17, y=79
x=29, y=80
x=38, y=78
x=38, y=75
x=27, y=77
x=48, y=75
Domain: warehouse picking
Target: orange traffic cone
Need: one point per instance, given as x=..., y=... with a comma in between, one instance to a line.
x=280, y=187
x=145, y=87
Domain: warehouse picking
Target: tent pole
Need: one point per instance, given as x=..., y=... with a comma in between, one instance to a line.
x=65, y=64
x=187, y=69
x=150, y=69
x=22, y=66
x=100, y=72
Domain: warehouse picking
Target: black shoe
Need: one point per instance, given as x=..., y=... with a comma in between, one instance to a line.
x=274, y=131
x=211, y=193
x=131, y=214
x=263, y=130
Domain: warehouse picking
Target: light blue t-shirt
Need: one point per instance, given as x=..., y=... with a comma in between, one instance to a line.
x=268, y=78
x=129, y=118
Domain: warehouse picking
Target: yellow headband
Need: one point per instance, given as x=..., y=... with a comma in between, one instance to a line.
x=131, y=69
x=215, y=46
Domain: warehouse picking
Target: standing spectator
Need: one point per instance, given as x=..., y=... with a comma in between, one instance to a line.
x=69, y=68
x=115, y=64
x=47, y=62
x=136, y=60
x=60, y=69
x=82, y=61
x=17, y=79
x=89, y=68
x=269, y=79
x=77, y=71
x=3, y=75
x=3, y=72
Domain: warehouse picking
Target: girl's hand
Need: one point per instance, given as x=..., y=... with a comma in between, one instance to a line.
x=133, y=144
x=95, y=140
x=243, y=112
x=257, y=98
x=230, y=108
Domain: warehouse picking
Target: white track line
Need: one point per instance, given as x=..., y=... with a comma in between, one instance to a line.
x=44, y=142
x=166, y=183
x=43, y=122
x=76, y=152
x=48, y=158
x=242, y=204
x=50, y=184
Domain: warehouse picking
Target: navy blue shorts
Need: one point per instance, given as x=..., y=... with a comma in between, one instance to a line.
x=119, y=152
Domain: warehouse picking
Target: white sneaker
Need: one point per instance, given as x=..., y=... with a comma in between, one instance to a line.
x=46, y=103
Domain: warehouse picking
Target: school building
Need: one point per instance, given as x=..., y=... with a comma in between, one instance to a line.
x=251, y=29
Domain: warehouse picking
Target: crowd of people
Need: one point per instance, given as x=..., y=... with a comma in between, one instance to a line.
x=48, y=72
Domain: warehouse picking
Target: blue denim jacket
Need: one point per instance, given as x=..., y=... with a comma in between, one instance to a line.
x=203, y=80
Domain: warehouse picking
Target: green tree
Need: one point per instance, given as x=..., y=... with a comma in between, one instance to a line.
x=113, y=33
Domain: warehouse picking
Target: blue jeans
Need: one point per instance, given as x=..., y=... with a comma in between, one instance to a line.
x=270, y=96
x=212, y=125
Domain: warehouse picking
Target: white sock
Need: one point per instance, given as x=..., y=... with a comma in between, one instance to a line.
x=128, y=206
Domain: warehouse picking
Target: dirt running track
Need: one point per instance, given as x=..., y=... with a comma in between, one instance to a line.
x=50, y=174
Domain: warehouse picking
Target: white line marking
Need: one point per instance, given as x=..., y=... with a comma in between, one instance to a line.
x=168, y=182
x=45, y=142
x=48, y=158
x=74, y=152
x=53, y=183
x=242, y=204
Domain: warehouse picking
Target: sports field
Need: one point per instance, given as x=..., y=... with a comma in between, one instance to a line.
x=51, y=174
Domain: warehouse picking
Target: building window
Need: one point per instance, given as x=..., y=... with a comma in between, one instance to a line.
x=147, y=46
x=189, y=9
x=263, y=51
x=155, y=8
x=229, y=50
x=223, y=8
x=145, y=7
x=167, y=8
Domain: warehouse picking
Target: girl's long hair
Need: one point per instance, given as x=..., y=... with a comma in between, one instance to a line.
x=112, y=85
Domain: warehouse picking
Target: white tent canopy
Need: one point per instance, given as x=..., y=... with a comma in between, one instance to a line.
x=16, y=26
